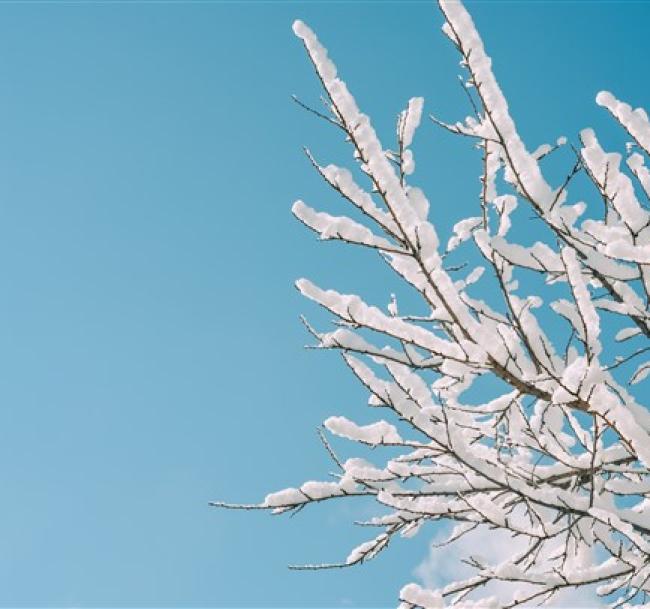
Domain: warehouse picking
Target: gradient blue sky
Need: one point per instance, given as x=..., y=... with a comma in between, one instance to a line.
x=151, y=356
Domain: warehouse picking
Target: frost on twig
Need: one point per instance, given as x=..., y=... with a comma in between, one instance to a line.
x=559, y=459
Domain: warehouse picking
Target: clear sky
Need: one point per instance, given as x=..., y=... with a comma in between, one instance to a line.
x=151, y=355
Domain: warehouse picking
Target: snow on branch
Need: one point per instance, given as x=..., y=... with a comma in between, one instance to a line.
x=558, y=457
x=635, y=122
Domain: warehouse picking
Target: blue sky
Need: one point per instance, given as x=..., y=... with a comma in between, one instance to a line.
x=151, y=356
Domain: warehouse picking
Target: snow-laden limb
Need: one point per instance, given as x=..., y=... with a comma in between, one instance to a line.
x=635, y=122
x=587, y=312
x=637, y=166
x=615, y=187
x=641, y=373
x=558, y=456
x=368, y=148
x=374, y=434
x=410, y=120
x=341, y=180
x=460, y=29
x=407, y=122
x=341, y=227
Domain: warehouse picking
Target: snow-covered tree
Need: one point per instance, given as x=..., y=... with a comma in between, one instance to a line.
x=560, y=458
